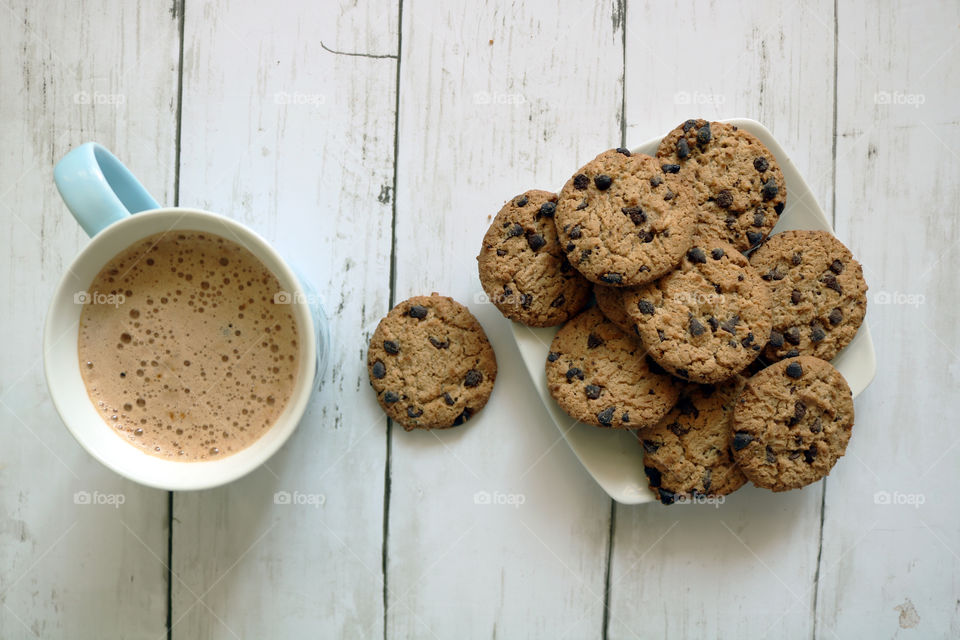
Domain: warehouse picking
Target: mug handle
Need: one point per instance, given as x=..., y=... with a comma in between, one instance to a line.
x=98, y=189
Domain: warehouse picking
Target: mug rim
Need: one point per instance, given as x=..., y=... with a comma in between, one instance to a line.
x=181, y=475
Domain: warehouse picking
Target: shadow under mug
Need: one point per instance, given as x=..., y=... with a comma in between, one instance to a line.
x=116, y=212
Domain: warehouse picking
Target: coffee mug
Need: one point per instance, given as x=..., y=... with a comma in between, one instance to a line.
x=116, y=212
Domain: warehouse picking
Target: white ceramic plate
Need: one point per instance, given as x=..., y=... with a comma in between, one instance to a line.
x=614, y=457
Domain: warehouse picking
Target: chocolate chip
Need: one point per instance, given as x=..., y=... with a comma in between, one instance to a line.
x=796, y=259
x=771, y=456
x=636, y=215
x=758, y=218
x=703, y=135
x=773, y=274
x=799, y=410
x=793, y=353
x=831, y=281
x=730, y=326
x=683, y=373
x=670, y=168
x=473, y=378
x=746, y=342
x=696, y=255
x=552, y=356
x=574, y=372
x=548, y=209
x=592, y=391
x=778, y=208
x=605, y=417
x=754, y=238
x=525, y=300
x=645, y=307
x=522, y=202
x=837, y=267
x=414, y=412
x=594, y=341
x=794, y=370
x=603, y=181
x=669, y=195
x=817, y=426
x=653, y=475
x=612, y=278
x=570, y=247
x=714, y=325
x=379, y=370
x=390, y=397
x=515, y=231
x=770, y=189
x=741, y=439
x=683, y=149
x=760, y=164
x=575, y=232
x=448, y=399
x=817, y=334
x=650, y=446
x=792, y=335
x=810, y=454
x=558, y=301
x=625, y=418
x=724, y=199
x=660, y=334
x=717, y=253
x=418, y=312
x=696, y=328
x=646, y=236
x=582, y=205
x=536, y=241
x=689, y=124
x=666, y=497
x=796, y=296
x=580, y=181
x=836, y=316
x=676, y=429
x=501, y=252
x=656, y=181
x=623, y=151
x=439, y=344
x=776, y=339
x=463, y=417
x=391, y=347
x=686, y=407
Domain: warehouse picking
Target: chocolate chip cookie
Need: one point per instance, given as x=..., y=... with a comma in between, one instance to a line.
x=623, y=221
x=610, y=303
x=792, y=422
x=819, y=294
x=430, y=363
x=707, y=320
x=688, y=452
x=733, y=178
x=598, y=374
x=523, y=268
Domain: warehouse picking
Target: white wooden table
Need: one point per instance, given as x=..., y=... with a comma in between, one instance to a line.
x=287, y=116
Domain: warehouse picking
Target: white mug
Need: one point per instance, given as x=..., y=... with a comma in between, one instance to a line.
x=116, y=211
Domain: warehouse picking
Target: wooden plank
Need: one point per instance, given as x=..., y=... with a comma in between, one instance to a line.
x=297, y=142
x=890, y=541
x=71, y=75
x=747, y=568
x=491, y=104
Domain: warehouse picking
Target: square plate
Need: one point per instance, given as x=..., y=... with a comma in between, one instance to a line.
x=614, y=457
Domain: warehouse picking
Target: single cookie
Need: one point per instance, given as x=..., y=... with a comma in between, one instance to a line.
x=431, y=363
x=819, y=294
x=688, y=452
x=623, y=221
x=733, y=178
x=598, y=374
x=523, y=268
x=610, y=303
x=708, y=319
x=792, y=422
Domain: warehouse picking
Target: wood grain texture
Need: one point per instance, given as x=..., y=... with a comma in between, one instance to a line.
x=68, y=570
x=891, y=538
x=297, y=142
x=747, y=568
x=491, y=106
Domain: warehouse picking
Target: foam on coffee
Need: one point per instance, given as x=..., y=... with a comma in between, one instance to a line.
x=195, y=355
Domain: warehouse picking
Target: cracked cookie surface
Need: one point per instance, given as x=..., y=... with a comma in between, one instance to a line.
x=623, y=221
x=523, y=268
x=707, y=320
x=598, y=375
x=819, y=294
x=732, y=177
x=430, y=363
x=792, y=422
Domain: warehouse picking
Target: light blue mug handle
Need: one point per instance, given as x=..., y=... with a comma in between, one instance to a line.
x=98, y=189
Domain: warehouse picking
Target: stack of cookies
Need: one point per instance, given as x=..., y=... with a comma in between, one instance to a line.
x=708, y=336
